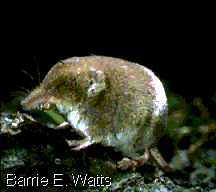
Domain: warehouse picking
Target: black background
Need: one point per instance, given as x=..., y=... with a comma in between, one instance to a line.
x=179, y=51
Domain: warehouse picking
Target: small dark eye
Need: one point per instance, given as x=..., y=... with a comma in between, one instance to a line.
x=91, y=82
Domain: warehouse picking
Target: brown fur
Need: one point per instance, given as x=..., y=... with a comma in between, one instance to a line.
x=113, y=97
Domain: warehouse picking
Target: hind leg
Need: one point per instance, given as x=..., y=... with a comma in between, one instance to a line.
x=134, y=163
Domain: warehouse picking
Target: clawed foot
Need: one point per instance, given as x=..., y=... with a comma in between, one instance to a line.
x=126, y=163
x=72, y=142
x=63, y=125
x=80, y=144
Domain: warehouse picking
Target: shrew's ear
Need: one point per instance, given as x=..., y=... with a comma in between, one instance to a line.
x=96, y=82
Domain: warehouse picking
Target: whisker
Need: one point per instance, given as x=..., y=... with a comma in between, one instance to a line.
x=27, y=74
x=15, y=93
x=30, y=77
x=39, y=80
x=25, y=89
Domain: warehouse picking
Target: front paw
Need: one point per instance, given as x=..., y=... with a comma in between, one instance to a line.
x=73, y=142
x=126, y=163
x=80, y=144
